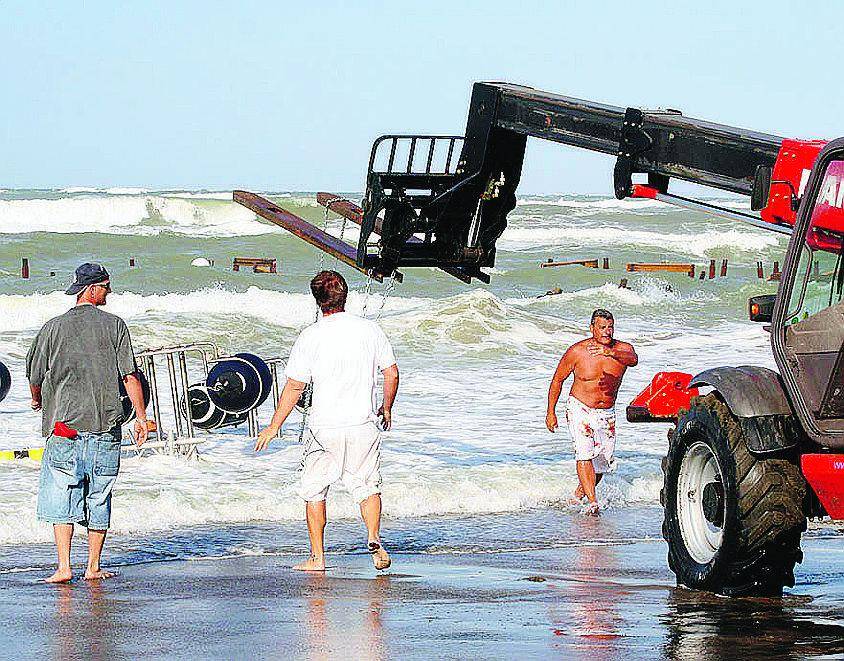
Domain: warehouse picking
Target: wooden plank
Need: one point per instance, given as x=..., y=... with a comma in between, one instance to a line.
x=589, y=263
x=688, y=269
x=351, y=211
x=303, y=229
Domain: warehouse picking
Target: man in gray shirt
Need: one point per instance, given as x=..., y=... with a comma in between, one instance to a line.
x=75, y=367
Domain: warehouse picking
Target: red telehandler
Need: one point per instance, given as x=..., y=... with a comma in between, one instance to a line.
x=753, y=453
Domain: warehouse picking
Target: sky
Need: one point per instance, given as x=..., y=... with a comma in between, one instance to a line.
x=278, y=96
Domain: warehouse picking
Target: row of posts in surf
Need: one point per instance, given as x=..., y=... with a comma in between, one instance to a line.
x=671, y=267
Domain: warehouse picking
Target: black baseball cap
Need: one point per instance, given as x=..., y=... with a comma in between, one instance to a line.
x=87, y=274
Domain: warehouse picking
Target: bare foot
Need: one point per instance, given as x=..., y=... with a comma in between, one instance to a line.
x=311, y=564
x=380, y=557
x=578, y=493
x=61, y=576
x=97, y=574
x=591, y=509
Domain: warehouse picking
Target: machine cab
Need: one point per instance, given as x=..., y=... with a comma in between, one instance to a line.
x=808, y=321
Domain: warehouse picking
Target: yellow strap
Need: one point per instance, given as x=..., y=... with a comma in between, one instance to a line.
x=31, y=453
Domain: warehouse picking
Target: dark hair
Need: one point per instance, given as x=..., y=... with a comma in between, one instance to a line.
x=602, y=313
x=330, y=291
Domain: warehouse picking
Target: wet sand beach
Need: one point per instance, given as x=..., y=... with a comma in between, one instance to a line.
x=607, y=599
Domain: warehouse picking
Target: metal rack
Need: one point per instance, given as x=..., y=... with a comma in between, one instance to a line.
x=183, y=425
x=177, y=435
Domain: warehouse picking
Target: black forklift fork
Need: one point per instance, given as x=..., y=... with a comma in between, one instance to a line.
x=434, y=207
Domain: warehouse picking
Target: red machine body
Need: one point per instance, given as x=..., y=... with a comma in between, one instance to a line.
x=666, y=395
x=790, y=175
x=825, y=474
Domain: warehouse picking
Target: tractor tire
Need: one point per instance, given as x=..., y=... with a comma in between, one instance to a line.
x=732, y=520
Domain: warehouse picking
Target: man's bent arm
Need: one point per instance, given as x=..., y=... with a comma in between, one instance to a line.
x=624, y=353
x=290, y=394
x=563, y=371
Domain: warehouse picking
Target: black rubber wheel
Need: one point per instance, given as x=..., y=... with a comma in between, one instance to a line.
x=5, y=381
x=732, y=520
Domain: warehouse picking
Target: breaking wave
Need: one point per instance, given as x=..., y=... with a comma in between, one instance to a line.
x=519, y=237
x=207, y=214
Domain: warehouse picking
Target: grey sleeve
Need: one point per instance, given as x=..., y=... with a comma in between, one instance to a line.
x=125, y=355
x=38, y=358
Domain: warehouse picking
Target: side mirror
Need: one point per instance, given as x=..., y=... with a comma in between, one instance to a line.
x=761, y=308
x=761, y=187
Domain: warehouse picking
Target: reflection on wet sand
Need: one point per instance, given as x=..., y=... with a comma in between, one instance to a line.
x=590, y=598
x=704, y=627
x=82, y=622
x=587, y=613
x=357, y=633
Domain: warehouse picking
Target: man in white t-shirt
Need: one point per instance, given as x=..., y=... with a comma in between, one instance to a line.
x=342, y=355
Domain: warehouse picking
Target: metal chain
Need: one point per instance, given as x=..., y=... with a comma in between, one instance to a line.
x=367, y=293
x=321, y=261
x=388, y=291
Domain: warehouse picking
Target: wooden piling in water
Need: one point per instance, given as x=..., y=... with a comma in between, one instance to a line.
x=775, y=274
x=25, y=268
x=258, y=264
x=671, y=267
x=606, y=263
x=760, y=272
x=711, y=269
x=723, y=268
x=589, y=263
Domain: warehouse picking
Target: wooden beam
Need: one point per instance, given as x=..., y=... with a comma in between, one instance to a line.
x=351, y=211
x=589, y=263
x=303, y=229
x=688, y=269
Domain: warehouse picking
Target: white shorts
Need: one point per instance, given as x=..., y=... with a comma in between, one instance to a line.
x=348, y=454
x=593, y=434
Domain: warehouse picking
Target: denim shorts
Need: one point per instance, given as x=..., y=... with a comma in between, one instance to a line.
x=77, y=476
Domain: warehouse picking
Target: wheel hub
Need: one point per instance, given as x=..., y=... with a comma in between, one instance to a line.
x=700, y=502
x=713, y=503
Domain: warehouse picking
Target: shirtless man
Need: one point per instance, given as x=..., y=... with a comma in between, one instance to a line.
x=599, y=364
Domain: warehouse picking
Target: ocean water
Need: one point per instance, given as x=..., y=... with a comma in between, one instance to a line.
x=469, y=443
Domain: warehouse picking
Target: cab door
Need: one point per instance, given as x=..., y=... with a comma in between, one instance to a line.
x=808, y=324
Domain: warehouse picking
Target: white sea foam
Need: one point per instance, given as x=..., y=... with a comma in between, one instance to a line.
x=180, y=212
x=291, y=310
x=628, y=205
x=700, y=244
x=125, y=214
x=597, y=204
x=649, y=291
x=201, y=195
x=126, y=190
x=231, y=485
